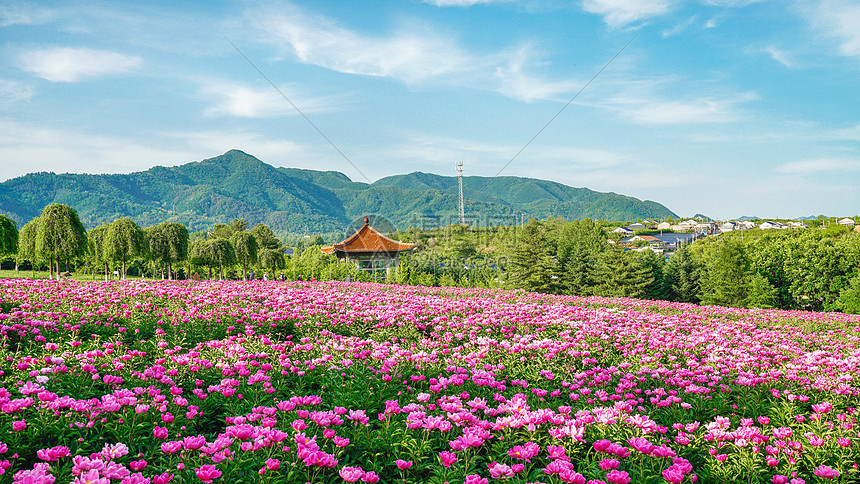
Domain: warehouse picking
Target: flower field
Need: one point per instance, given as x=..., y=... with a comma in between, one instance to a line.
x=156, y=382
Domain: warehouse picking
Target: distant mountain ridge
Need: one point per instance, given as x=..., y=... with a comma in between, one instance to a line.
x=291, y=200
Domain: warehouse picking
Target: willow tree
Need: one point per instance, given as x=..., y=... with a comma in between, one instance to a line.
x=8, y=237
x=124, y=241
x=272, y=259
x=245, y=249
x=168, y=244
x=27, y=244
x=96, y=248
x=61, y=236
x=211, y=253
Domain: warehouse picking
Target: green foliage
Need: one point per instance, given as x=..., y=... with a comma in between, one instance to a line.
x=682, y=276
x=849, y=297
x=534, y=267
x=580, y=244
x=168, y=244
x=245, y=250
x=123, y=241
x=616, y=274
x=27, y=243
x=8, y=236
x=61, y=235
x=726, y=277
x=96, y=256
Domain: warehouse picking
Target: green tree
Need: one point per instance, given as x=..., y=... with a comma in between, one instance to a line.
x=580, y=244
x=761, y=294
x=96, y=248
x=534, y=267
x=124, y=241
x=201, y=255
x=725, y=279
x=616, y=275
x=168, y=244
x=849, y=297
x=265, y=237
x=222, y=254
x=681, y=276
x=8, y=237
x=271, y=260
x=61, y=236
x=652, y=265
x=245, y=250
x=27, y=244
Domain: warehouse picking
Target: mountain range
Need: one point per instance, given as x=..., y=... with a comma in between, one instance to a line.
x=300, y=201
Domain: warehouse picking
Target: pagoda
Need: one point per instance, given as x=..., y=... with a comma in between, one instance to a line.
x=369, y=249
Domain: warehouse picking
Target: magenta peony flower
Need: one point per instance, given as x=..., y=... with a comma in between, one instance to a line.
x=351, y=474
x=403, y=464
x=826, y=472
x=207, y=473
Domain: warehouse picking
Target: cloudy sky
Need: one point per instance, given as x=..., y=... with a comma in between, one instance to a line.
x=721, y=107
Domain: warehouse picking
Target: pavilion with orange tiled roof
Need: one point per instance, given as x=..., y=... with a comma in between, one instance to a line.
x=369, y=249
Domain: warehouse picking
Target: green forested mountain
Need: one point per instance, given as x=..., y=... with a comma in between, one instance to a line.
x=290, y=200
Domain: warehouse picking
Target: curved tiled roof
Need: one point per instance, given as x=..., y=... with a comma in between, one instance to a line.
x=367, y=239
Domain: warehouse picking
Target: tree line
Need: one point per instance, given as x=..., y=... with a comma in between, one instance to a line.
x=57, y=239
x=807, y=269
x=810, y=269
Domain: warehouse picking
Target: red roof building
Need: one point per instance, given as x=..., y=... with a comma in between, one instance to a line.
x=369, y=248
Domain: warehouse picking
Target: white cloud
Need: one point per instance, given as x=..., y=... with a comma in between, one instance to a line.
x=28, y=148
x=516, y=83
x=838, y=20
x=23, y=14
x=412, y=55
x=781, y=56
x=65, y=64
x=805, y=167
x=849, y=133
x=619, y=13
x=701, y=110
x=229, y=99
x=732, y=3
x=12, y=92
x=459, y=3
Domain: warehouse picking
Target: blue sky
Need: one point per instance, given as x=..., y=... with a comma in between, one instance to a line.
x=721, y=107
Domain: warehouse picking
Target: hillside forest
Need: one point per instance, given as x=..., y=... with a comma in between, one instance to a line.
x=815, y=269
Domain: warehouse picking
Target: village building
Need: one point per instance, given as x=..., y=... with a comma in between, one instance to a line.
x=369, y=250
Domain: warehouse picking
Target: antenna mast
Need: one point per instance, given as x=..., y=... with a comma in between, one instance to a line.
x=462, y=202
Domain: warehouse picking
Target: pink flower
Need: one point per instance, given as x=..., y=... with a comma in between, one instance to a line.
x=617, y=477
x=370, y=476
x=137, y=465
x=351, y=474
x=19, y=425
x=609, y=464
x=826, y=472
x=403, y=464
x=162, y=478
x=53, y=454
x=673, y=474
x=641, y=444
x=822, y=407
x=207, y=473
x=171, y=447
x=160, y=433
x=779, y=479
x=193, y=442
x=447, y=458
x=475, y=479
x=500, y=471
x=517, y=468
x=273, y=464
